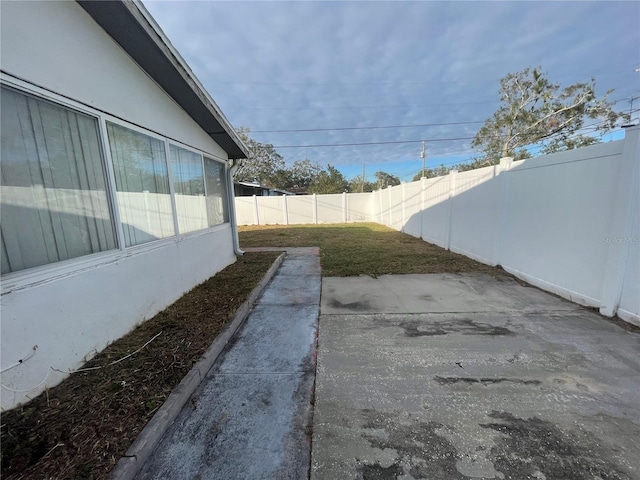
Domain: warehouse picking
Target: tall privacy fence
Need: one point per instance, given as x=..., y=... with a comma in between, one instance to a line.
x=567, y=222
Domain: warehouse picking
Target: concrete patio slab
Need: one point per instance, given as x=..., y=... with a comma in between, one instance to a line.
x=415, y=293
x=522, y=387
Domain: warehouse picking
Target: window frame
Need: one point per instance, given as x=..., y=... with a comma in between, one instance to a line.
x=42, y=274
x=226, y=188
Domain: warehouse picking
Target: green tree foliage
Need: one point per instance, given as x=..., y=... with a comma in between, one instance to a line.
x=358, y=184
x=384, y=179
x=263, y=163
x=299, y=176
x=536, y=111
x=329, y=181
x=431, y=172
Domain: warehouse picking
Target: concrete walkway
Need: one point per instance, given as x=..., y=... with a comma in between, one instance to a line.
x=250, y=417
x=468, y=376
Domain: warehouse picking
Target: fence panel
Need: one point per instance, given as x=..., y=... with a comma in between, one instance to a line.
x=557, y=214
x=412, y=210
x=245, y=211
x=301, y=209
x=360, y=207
x=475, y=213
x=436, y=212
x=271, y=210
x=330, y=208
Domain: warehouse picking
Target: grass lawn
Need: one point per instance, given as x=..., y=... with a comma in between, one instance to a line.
x=363, y=249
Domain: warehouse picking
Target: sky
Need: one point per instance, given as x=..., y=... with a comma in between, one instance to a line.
x=357, y=66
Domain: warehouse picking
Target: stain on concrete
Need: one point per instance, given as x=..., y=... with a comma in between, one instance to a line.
x=422, y=452
x=483, y=381
x=353, y=306
x=416, y=328
x=535, y=448
x=378, y=472
x=411, y=329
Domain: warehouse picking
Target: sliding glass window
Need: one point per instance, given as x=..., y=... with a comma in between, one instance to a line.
x=142, y=184
x=55, y=204
x=188, y=186
x=216, y=186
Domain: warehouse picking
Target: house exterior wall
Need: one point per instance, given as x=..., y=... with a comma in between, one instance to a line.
x=59, y=315
x=58, y=46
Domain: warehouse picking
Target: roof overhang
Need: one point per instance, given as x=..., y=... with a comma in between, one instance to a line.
x=135, y=30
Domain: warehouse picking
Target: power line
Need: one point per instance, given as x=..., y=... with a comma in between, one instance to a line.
x=353, y=107
x=373, y=143
x=365, y=128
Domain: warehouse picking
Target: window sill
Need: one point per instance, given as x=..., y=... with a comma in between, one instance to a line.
x=33, y=277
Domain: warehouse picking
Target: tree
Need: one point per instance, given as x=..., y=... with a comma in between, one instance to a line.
x=303, y=173
x=329, y=181
x=385, y=179
x=263, y=162
x=536, y=111
x=358, y=184
x=431, y=172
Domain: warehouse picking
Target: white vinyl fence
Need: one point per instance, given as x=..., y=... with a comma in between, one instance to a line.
x=299, y=209
x=567, y=222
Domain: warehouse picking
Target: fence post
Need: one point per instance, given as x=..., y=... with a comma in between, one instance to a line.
x=285, y=209
x=500, y=171
x=619, y=239
x=145, y=194
x=423, y=184
x=404, y=199
x=452, y=193
x=255, y=210
x=390, y=216
x=344, y=207
x=380, y=207
x=315, y=209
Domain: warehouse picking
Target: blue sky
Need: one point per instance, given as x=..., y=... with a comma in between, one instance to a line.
x=323, y=65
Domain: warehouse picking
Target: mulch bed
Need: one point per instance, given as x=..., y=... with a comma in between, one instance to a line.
x=80, y=428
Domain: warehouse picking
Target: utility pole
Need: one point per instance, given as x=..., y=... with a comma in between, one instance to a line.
x=422, y=156
x=636, y=97
x=363, y=177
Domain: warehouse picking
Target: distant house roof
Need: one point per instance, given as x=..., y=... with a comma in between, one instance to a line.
x=133, y=27
x=249, y=188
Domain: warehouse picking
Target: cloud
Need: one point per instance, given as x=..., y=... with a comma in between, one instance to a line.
x=288, y=65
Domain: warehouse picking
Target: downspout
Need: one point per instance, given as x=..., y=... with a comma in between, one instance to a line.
x=232, y=166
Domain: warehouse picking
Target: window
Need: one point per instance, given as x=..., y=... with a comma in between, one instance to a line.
x=54, y=195
x=58, y=199
x=188, y=185
x=142, y=184
x=216, y=186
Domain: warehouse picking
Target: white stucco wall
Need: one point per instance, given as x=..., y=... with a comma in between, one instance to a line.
x=74, y=308
x=72, y=317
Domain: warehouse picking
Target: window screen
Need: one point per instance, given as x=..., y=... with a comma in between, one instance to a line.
x=142, y=184
x=54, y=195
x=188, y=185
